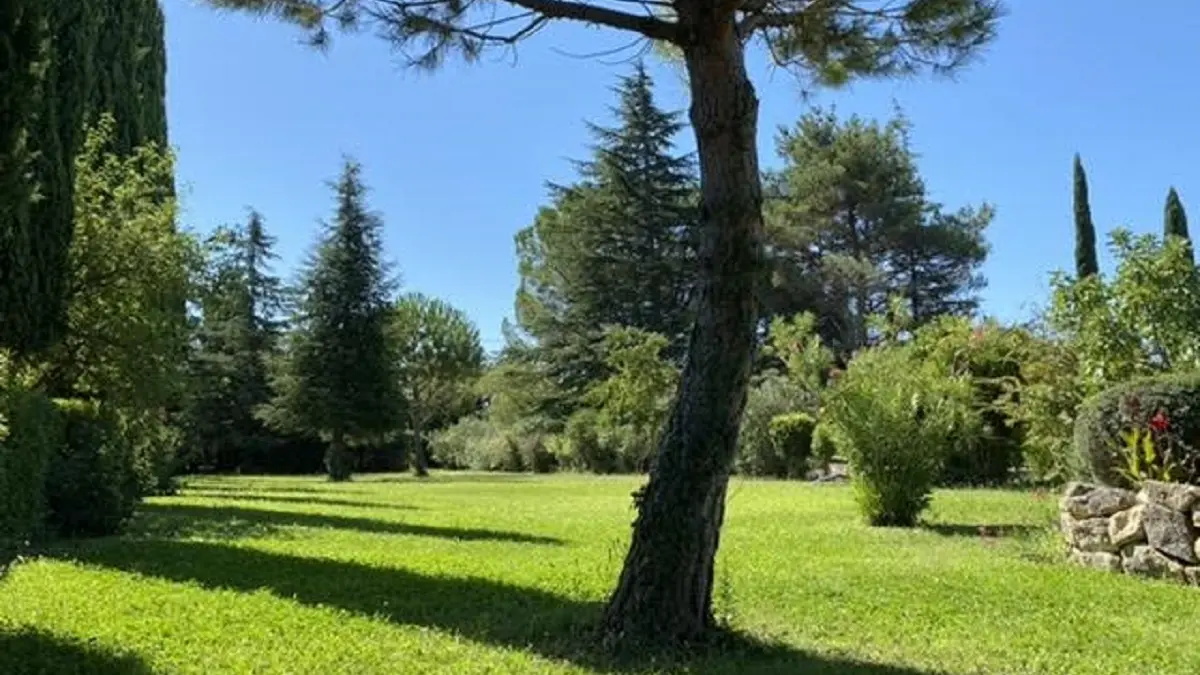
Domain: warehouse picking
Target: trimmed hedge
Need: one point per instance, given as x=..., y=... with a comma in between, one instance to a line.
x=791, y=437
x=30, y=431
x=92, y=486
x=1102, y=418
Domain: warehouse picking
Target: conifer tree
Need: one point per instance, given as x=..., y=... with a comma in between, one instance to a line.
x=22, y=31
x=337, y=379
x=1175, y=219
x=617, y=247
x=1085, y=232
x=237, y=336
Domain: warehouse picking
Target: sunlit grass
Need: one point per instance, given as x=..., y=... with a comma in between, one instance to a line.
x=505, y=574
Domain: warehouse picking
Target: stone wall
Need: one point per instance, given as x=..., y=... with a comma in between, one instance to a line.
x=1150, y=533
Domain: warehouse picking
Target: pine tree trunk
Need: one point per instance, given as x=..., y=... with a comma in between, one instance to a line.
x=664, y=596
x=337, y=458
x=420, y=459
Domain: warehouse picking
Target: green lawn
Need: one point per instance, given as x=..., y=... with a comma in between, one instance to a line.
x=498, y=574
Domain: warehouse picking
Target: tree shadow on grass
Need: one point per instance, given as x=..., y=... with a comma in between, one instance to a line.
x=28, y=651
x=249, y=496
x=480, y=610
x=227, y=522
x=249, y=485
x=983, y=531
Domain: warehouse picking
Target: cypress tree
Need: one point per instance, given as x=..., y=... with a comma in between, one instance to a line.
x=338, y=381
x=1175, y=220
x=22, y=36
x=1085, y=232
x=91, y=57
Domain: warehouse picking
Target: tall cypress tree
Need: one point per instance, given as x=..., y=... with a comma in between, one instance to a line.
x=1085, y=232
x=1175, y=220
x=22, y=35
x=338, y=380
x=617, y=246
x=91, y=57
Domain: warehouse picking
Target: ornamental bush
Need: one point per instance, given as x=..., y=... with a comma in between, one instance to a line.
x=1169, y=405
x=896, y=418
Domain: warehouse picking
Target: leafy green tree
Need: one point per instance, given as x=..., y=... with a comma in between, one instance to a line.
x=1175, y=220
x=616, y=247
x=338, y=380
x=1085, y=231
x=130, y=267
x=665, y=591
x=438, y=357
x=130, y=270
x=238, y=334
x=634, y=401
x=851, y=225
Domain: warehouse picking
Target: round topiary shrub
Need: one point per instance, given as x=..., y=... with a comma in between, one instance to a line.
x=1167, y=406
x=791, y=437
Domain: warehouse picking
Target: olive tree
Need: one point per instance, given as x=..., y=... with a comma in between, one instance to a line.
x=665, y=591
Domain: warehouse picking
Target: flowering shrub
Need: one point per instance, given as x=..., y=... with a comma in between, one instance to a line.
x=1144, y=429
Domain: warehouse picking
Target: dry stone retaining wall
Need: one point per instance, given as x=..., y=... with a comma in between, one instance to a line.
x=1149, y=533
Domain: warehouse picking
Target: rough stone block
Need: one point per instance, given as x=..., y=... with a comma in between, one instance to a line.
x=1099, y=503
x=1125, y=527
x=1147, y=562
x=1089, y=535
x=1108, y=562
x=1168, y=531
x=1175, y=496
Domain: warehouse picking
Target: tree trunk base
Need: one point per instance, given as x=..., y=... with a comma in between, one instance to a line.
x=664, y=598
x=338, y=463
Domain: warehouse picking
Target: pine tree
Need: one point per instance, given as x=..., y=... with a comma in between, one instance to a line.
x=1175, y=220
x=617, y=247
x=237, y=336
x=338, y=380
x=1085, y=232
x=850, y=226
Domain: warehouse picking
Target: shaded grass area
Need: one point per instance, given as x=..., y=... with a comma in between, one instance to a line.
x=387, y=574
x=34, y=652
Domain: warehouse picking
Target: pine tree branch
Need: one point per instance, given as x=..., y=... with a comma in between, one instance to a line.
x=652, y=27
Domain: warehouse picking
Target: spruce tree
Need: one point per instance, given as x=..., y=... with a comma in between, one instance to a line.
x=1175, y=220
x=1085, y=232
x=338, y=380
x=617, y=247
x=236, y=338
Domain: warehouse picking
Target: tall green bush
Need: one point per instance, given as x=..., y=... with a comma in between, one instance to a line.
x=92, y=486
x=896, y=419
x=771, y=397
x=30, y=430
x=989, y=354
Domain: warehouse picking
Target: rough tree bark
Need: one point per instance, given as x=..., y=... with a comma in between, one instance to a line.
x=337, y=458
x=420, y=457
x=665, y=592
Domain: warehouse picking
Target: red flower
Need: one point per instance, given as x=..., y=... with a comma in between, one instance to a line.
x=1159, y=422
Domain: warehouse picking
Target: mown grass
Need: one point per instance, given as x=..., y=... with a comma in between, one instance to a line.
x=504, y=574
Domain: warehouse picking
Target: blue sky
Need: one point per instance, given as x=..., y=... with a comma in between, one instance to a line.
x=457, y=160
